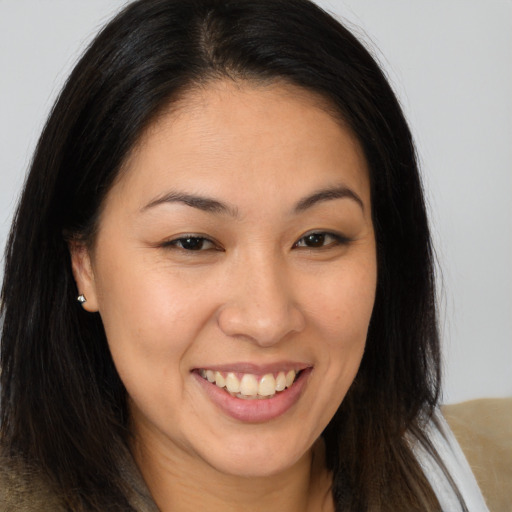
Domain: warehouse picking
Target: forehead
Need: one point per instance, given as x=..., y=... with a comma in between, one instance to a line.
x=230, y=136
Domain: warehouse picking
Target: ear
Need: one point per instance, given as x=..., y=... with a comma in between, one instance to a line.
x=84, y=276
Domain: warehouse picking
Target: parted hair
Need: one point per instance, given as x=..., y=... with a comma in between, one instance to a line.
x=63, y=405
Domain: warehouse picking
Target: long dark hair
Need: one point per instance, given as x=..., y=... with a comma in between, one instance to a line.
x=63, y=406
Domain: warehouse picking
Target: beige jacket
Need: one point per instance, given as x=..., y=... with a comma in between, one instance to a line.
x=483, y=429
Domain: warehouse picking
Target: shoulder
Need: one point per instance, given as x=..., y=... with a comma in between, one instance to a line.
x=483, y=429
x=446, y=467
x=22, y=489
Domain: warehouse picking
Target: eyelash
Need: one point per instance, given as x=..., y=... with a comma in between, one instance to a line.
x=200, y=240
x=197, y=242
x=337, y=240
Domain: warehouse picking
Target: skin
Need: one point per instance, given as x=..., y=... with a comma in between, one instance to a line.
x=259, y=292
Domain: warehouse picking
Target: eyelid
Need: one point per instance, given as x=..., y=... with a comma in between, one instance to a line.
x=173, y=242
x=340, y=239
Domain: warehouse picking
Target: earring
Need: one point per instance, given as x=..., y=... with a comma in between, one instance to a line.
x=81, y=298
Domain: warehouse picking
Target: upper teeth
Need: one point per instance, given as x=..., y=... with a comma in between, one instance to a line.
x=249, y=385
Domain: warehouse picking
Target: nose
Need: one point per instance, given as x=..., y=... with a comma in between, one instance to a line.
x=261, y=305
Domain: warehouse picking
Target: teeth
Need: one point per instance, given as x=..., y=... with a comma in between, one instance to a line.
x=250, y=386
x=220, y=380
x=232, y=383
x=267, y=385
x=280, y=381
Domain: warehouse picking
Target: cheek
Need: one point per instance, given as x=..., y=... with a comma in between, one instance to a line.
x=340, y=311
x=149, y=320
x=151, y=335
x=341, y=303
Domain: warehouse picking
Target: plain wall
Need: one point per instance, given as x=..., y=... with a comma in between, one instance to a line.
x=450, y=62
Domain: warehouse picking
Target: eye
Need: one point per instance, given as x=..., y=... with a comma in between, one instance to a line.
x=191, y=243
x=320, y=240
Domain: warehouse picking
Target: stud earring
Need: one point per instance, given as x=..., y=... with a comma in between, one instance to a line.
x=81, y=298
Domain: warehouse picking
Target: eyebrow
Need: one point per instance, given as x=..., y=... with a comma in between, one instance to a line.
x=205, y=204
x=211, y=205
x=328, y=194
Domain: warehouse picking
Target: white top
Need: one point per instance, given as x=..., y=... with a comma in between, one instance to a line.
x=457, y=465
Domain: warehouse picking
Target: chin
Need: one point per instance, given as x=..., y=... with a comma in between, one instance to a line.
x=256, y=459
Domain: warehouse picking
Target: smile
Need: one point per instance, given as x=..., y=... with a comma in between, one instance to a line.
x=252, y=393
x=248, y=386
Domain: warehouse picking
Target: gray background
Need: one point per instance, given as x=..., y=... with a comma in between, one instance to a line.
x=449, y=61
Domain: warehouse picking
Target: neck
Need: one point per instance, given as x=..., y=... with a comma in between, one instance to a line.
x=185, y=483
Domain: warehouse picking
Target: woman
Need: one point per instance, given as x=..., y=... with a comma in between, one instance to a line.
x=225, y=297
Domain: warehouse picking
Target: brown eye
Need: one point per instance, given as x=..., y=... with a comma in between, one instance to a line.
x=191, y=243
x=320, y=240
x=314, y=240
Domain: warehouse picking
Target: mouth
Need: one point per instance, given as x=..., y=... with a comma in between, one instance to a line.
x=252, y=393
x=250, y=386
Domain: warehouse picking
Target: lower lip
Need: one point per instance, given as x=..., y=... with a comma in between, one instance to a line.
x=256, y=410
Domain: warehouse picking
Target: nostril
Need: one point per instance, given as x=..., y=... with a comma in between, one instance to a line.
x=259, y=306
x=259, y=325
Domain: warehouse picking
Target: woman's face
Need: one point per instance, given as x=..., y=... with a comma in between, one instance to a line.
x=236, y=246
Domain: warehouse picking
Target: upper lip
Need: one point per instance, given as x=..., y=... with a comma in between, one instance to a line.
x=256, y=369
